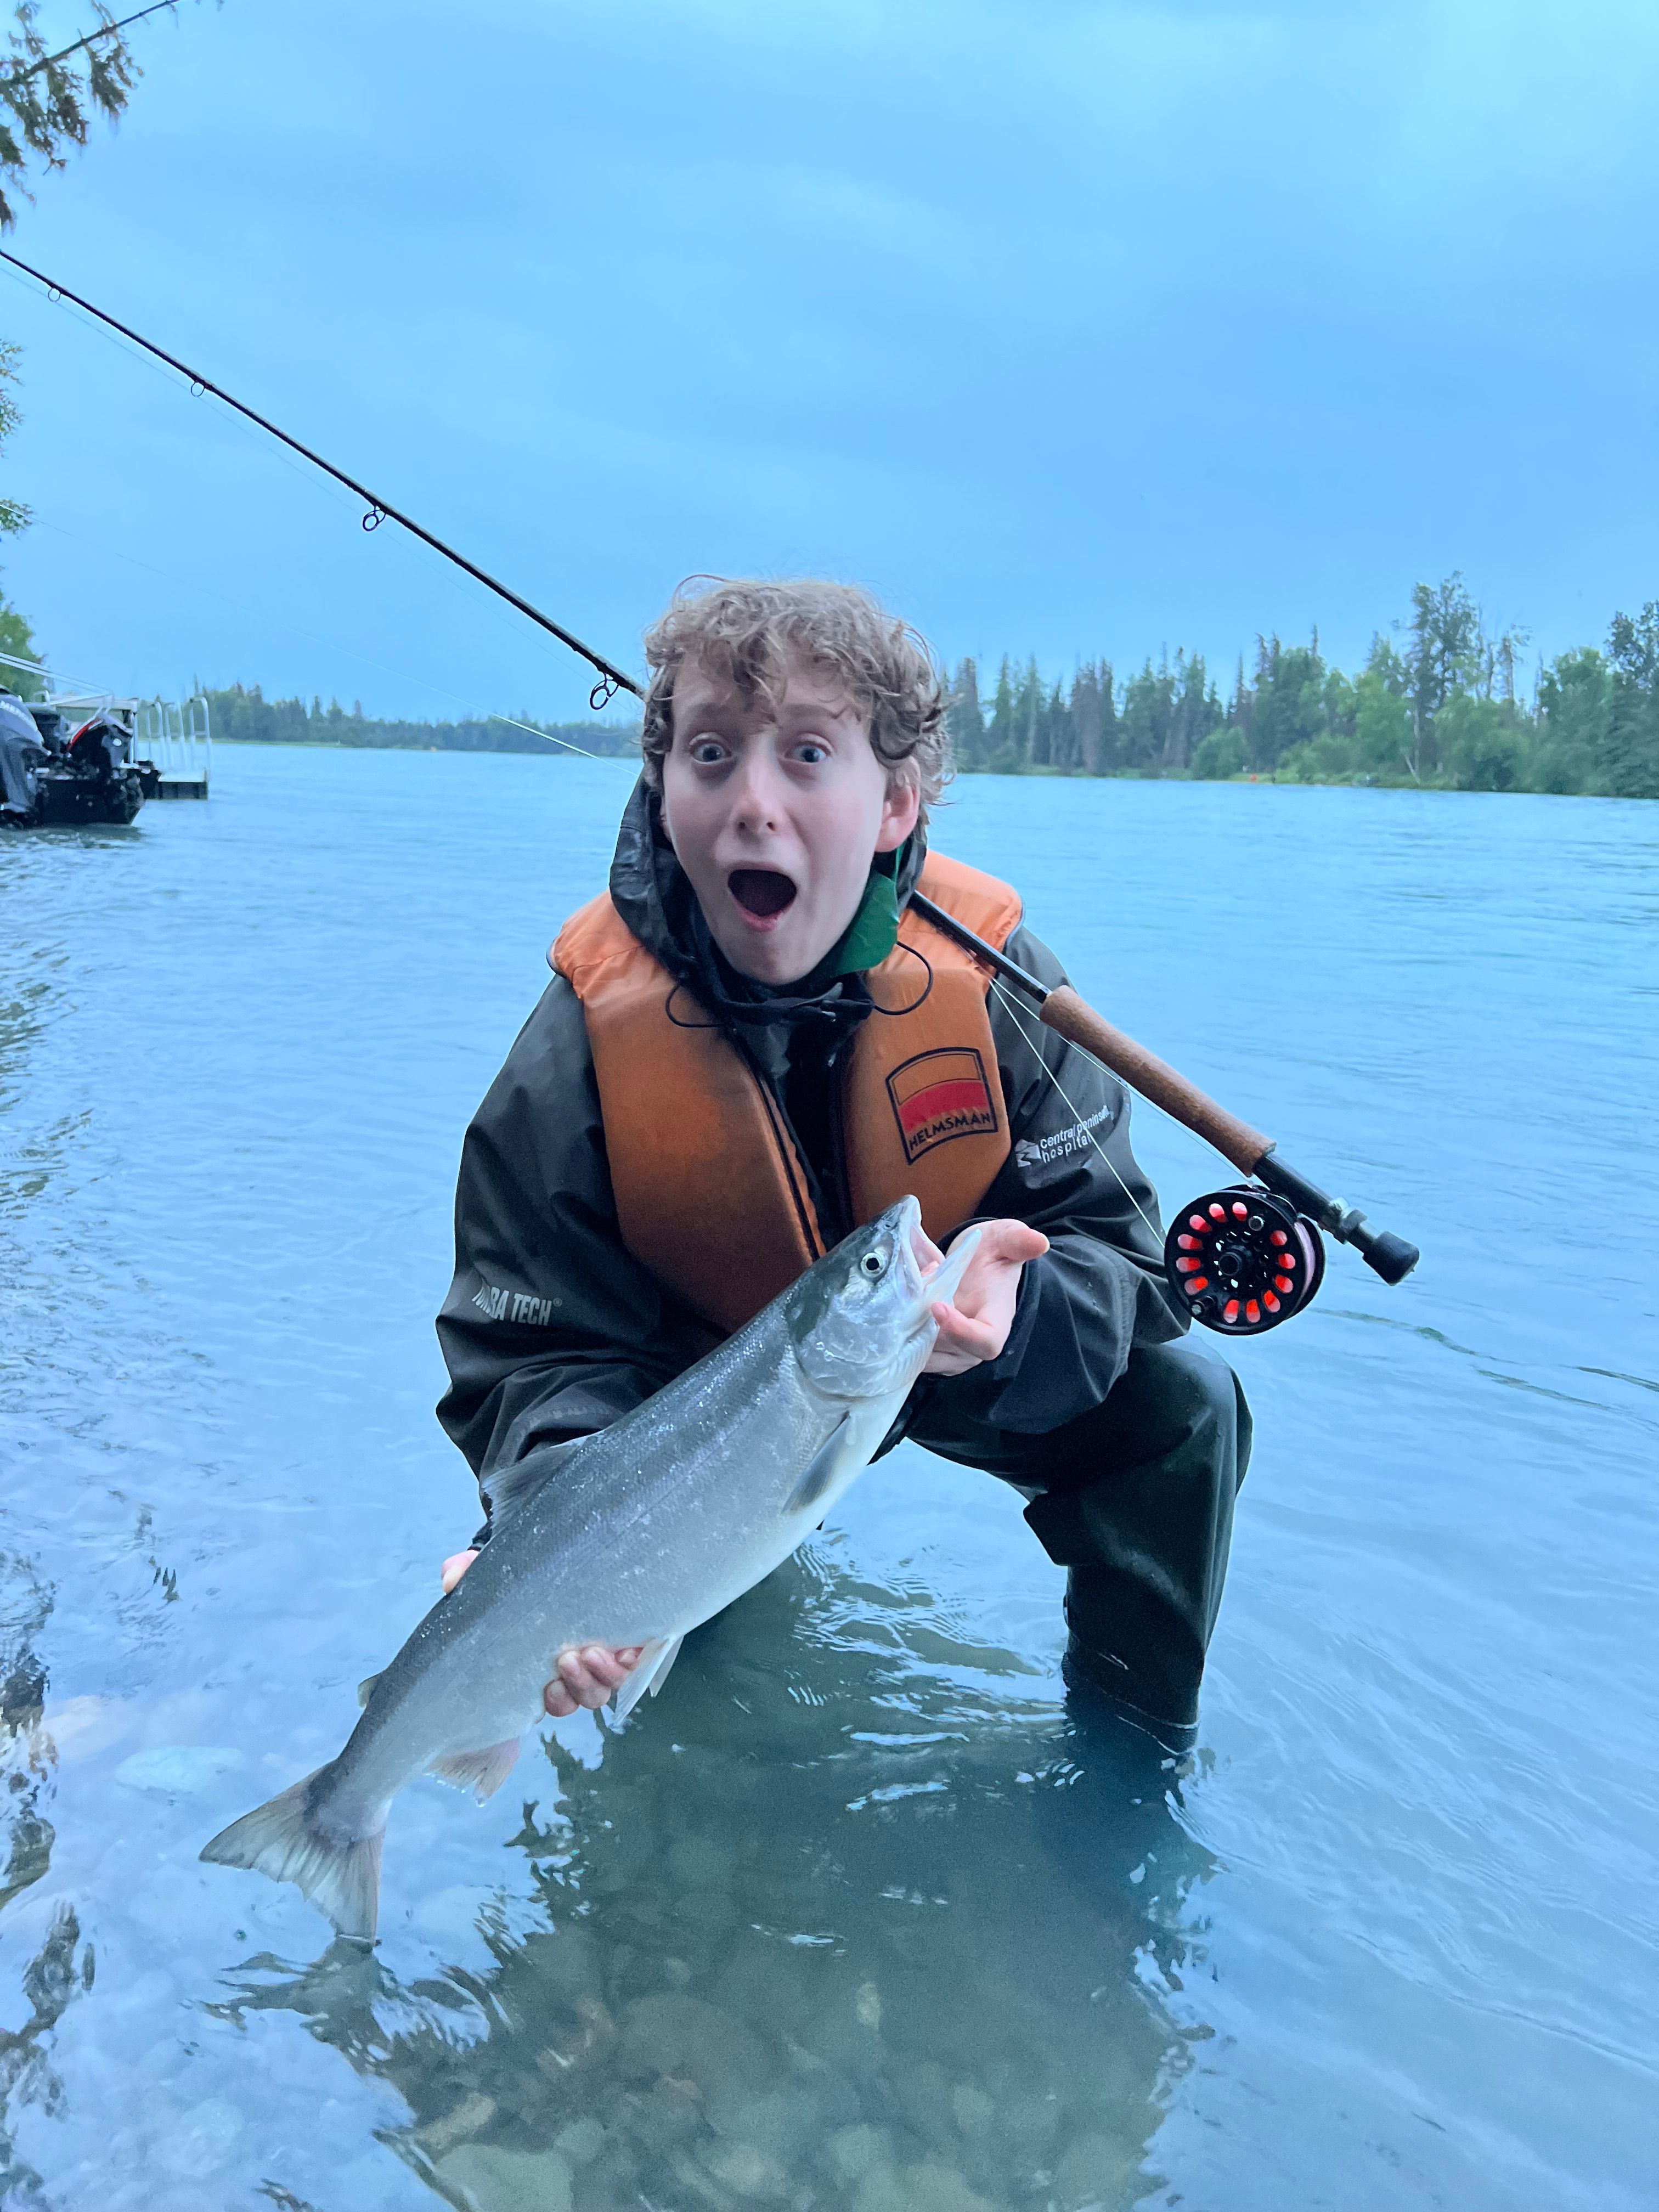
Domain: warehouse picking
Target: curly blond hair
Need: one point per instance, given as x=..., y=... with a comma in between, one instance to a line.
x=743, y=629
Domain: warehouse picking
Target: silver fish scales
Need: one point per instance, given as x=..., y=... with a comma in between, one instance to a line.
x=632, y=1536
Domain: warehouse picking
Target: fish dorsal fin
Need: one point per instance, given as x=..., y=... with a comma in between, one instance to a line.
x=366, y=1687
x=508, y=1490
x=650, y=1673
x=821, y=1469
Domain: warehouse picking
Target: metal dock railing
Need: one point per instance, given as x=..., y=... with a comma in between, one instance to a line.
x=179, y=738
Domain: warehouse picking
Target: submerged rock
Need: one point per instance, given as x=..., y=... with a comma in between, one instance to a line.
x=487, y=2178
x=581, y=2143
x=1092, y=2170
x=470, y=2118
x=699, y=1863
x=675, y=2034
x=879, y=2189
x=590, y=2034
x=179, y=1770
x=852, y=2151
x=973, y=2108
x=937, y=2188
x=200, y=2144
x=566, y=1961
x=664, y=2115
x=749, y=2172
x=777, y=2121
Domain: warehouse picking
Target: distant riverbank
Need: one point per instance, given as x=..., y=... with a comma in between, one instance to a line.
x=1442, y=710
x=610, y=741
x=241, y=715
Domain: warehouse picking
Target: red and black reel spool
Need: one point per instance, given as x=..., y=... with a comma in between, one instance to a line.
x=1243, y=1259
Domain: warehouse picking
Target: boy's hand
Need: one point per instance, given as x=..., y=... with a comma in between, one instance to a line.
x=584, y=1676
x=975, y=1327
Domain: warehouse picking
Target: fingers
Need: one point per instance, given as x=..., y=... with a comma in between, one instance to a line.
x=1009, y=1240
x=966, y=1334
x=587, y=1676
x=454, y=1567
x=963, y=1342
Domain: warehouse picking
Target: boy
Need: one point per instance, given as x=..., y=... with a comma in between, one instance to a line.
x=749, y=1047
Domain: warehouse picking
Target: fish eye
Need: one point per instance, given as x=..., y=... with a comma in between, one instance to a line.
x=873, y=1264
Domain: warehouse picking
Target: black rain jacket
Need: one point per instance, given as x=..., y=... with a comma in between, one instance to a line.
x=552, y=1329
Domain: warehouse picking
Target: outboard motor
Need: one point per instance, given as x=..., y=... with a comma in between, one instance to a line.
x=47, y=782
x=22, y=754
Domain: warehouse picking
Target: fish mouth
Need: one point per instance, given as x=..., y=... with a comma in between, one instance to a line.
x=763, y=893
x=908, y=1242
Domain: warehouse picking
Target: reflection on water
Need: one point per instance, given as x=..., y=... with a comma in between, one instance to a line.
x=24, y=1748
x=58, y=1972
x=821, y=1928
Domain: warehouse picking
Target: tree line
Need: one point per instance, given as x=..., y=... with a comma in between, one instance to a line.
x=245, y=714
x=1437, y=704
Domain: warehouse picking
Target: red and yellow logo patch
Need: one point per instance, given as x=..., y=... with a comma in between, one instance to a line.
x=940, y=1095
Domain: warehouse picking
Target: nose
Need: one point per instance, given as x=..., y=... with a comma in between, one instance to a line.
x=756, y=793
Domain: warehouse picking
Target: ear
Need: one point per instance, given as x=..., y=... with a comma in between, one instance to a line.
x=898, y=814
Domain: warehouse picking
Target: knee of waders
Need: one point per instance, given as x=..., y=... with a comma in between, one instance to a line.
x=1169, y=1392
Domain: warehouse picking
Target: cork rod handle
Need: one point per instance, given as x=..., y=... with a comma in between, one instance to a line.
x=1073, y=1018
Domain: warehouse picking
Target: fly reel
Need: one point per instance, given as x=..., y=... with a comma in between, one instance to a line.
x=1243, y=1259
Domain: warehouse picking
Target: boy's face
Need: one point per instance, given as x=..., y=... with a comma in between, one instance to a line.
x=775, y=807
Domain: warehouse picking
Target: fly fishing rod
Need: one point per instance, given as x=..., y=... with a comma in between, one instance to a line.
x=1244, y=1259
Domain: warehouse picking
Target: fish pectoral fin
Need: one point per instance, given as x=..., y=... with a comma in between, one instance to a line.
x=508, y=1490
x=650, y=1673
x=821, y=1470
x=671, y=1653
x=366, y=1688
x=482, y=1772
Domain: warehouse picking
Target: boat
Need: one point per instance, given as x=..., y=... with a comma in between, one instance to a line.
x=76, y=755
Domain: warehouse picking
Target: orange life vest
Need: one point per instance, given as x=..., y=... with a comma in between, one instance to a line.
x=710, y=1194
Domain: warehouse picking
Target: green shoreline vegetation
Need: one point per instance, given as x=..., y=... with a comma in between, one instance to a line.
x=1436, y=706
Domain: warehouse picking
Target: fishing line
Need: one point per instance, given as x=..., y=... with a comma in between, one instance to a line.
x=1015, y=1011
x=312, y=637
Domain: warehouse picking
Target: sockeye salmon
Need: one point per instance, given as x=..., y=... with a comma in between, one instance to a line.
x=633, y=1535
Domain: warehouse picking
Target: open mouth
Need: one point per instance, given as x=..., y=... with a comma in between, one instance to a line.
x=762, y=892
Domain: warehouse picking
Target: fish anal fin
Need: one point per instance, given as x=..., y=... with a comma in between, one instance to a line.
x=366, y=1688
x=820, y=1470
x=482, y=1772
x=508, y=1490
x=650, y=1673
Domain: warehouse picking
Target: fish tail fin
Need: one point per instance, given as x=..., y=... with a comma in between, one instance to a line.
x=285, y=1840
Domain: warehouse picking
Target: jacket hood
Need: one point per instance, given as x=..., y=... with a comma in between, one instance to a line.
x=653, y=894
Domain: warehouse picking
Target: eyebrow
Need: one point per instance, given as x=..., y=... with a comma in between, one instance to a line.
x=847, y=709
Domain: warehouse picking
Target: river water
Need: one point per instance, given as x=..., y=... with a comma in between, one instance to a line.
x=848, y=1918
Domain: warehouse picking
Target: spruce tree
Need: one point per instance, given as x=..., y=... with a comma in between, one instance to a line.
x=48, y=97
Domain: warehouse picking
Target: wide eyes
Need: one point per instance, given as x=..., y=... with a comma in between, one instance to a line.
x=873, y=1264
x=709, y=752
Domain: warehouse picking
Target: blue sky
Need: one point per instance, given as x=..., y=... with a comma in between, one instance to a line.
x=1070, y=329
